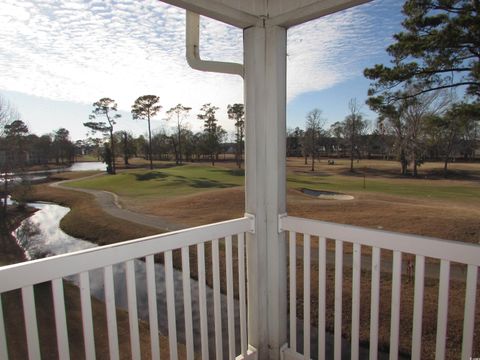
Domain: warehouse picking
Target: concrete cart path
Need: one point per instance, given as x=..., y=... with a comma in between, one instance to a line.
x=110, y=203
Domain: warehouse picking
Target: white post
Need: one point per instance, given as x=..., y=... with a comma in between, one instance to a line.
x=265, y=100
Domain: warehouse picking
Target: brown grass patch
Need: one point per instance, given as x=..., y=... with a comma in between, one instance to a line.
x=452, y=222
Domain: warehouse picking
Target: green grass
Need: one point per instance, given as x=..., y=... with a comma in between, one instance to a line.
x=189, y=179
x=419, y=188
x=175, y=181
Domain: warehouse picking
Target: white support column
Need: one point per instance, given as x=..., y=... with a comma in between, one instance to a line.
x=265, y=100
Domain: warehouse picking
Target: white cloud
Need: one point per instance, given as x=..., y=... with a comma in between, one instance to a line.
x=81, y=50
x=327, y=51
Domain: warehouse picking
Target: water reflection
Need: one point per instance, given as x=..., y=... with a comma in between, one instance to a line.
x=88, y=166
x=40, y=235
x=40, y=175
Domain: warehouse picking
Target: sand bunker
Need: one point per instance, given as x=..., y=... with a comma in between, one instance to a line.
x=327, y=195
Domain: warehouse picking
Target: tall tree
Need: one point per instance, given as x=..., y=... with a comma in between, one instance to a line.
x=294, y=142
x=180, y=113
x=392, y=122
x=126, y=145
x=405, y=120
x=43, y=147
x=62, y=145
x=189, y=140
x=354, y=127
x=313, y=128
x=141, y=146
x=161, y=145
x=337, y=131
x=236, y=112
x=146, y=107
x=212, y=130
x=8, y=113
x=15, y=135
x=439, y=48
x=446, y=131
x=95, y=145
x=106, y=108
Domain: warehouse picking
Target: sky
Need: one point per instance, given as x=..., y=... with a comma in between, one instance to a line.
x=57, y=57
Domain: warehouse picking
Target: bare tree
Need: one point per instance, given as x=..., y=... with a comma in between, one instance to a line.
x=8, y=115
x=313, y=128
x=406, y=120
x=355, y=126
x=416, y=112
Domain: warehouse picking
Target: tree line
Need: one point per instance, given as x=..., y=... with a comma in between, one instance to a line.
x=182, y=142
x=20, y=148
x=429, y=128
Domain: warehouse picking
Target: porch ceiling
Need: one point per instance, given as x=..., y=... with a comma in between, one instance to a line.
x=247, y=13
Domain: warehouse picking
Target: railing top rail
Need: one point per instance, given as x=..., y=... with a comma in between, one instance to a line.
x=421, y=245
x=33, y=272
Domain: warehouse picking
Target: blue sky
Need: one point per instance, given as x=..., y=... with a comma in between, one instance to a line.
x=58, y=57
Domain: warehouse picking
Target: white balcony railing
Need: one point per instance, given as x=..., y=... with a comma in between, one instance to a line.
x=80, y=267
x=223, y=334
x=330, y=280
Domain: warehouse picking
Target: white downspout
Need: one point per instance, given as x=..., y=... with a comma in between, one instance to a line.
x=193, y=51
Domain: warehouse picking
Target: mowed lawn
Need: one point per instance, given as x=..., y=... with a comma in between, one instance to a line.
x=417, y=188
x=191, y=179
x=168, y=182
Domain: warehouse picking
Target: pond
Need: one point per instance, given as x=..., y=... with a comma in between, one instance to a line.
x=87, y=166
x=41, y=175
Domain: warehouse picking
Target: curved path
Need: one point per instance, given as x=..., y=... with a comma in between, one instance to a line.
x=109, y=202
